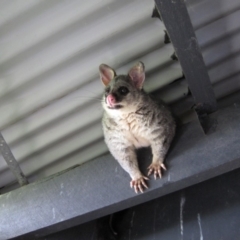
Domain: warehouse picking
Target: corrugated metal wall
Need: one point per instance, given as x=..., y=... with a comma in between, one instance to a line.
x=218, y=31
x=49, y=86
x=217, y=28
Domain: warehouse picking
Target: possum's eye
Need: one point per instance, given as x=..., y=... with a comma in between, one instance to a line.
x=123, y=90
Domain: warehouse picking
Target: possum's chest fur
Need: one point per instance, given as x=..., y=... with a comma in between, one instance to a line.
x=131, y=130
x=135, y=131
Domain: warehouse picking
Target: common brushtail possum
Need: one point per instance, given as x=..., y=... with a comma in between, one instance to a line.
x=131, y=120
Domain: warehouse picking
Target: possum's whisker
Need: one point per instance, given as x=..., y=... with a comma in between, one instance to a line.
x=85, y=97
x=95, y=93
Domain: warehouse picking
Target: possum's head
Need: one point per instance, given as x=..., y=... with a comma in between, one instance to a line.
x=122, y=92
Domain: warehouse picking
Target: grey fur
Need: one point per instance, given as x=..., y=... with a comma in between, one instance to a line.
x=135, y=121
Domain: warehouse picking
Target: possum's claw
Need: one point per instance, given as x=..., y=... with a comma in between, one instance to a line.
x=156, y=169
x=139, y=184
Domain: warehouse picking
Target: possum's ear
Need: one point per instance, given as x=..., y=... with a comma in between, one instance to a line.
x=137, y=75
x=106, y=74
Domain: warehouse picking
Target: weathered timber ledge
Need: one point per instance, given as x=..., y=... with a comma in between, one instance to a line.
x=101, y=187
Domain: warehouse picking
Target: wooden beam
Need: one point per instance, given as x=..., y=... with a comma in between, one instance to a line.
x=101, y=187
x=175, y=16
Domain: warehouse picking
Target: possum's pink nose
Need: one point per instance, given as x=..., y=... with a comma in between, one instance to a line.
x=111, y=100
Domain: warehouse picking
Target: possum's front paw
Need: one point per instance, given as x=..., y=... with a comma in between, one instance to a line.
x=156, y=169
x=139, y=184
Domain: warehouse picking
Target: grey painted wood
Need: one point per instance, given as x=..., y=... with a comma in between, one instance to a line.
x=198, y=212
x=12, y=162
x=101, y=187
x=175, y=16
